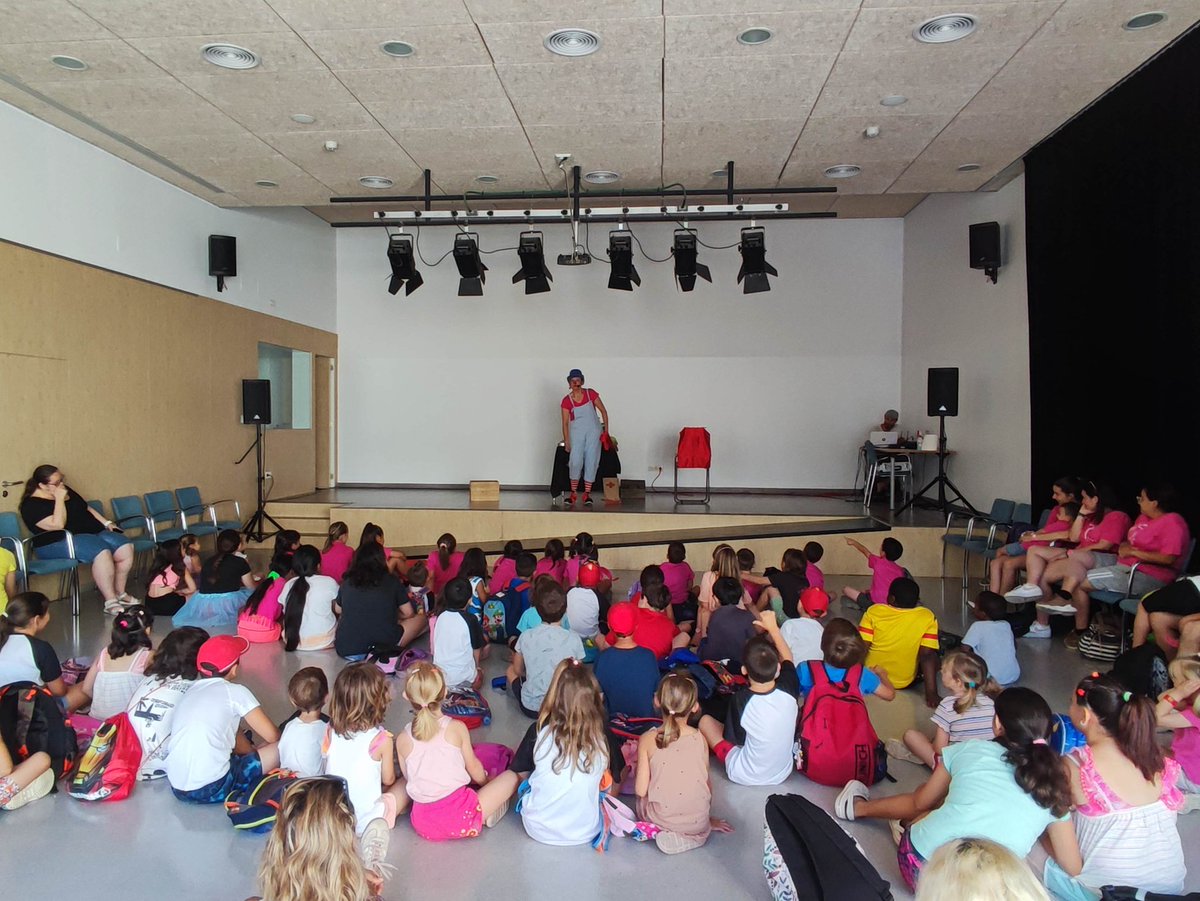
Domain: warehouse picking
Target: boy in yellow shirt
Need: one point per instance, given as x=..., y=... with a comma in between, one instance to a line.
x=901, y=637
x=8, y=577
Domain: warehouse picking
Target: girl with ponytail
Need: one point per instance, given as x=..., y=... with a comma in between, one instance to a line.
x=443, y=563
x=441, y=768
x=1125, y=794
x=673, y=788
x=116, y=674
x=226, y=583
x=964, y=715
x=23, y=656
x=336, y=555
x=309, y=623
x=1011, y=789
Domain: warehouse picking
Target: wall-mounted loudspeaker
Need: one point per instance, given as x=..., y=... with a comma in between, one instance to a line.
x=222, y=258
x=256, y=401
x=943, y=391
x=985, y=248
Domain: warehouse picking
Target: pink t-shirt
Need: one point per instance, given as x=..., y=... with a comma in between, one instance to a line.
x=1112, y=527
x=589, y=396
x=505, y=572
x=885, y=573
x=678, y=578
x=555, y=568
x=571, y=571
x=439, y=577
x=816, y=578
x=1168, y=534
x=336, y=560
x=1186, y=746
x=269, y=606
x=1053, y=526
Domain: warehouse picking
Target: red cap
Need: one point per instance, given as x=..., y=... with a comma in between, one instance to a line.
x=589, y=575
x=622, y=618
x=218, y=655
x=814, y=601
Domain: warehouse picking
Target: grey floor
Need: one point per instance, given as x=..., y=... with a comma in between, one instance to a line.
x=152, y=845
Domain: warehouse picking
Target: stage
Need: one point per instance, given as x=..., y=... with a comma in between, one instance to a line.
x=632, y=533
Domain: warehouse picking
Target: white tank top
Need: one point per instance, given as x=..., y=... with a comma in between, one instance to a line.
x=350, y=757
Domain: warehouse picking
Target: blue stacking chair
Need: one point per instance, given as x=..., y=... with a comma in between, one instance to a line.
x=1001, y=512
x=98, y=506
x=29, y=565
x=208, y=522
x=1126, y=601
x=160, y=506
x=129, y=515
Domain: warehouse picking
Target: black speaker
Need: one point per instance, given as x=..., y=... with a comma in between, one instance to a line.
x=985, y=245
x=943, y=391
x=222, y=258
x=256, y=401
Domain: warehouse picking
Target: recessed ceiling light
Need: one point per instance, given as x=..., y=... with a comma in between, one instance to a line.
x=267, y=183
x=398, y=49
x=602, y=177
x=1144, y=20
x=572, y=42
x=303, y=118
x=487, y=179
x=893, y=100
x=756, y=35
x=718, y=173
x=376, y=181
x=230, y=56
x=844, y=170
x=944, y=29
x=69, y=63
x=969, y=167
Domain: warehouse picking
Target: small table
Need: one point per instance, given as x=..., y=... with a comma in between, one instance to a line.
x=902, y=452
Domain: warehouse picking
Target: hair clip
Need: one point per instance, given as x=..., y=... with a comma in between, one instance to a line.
x=1081, y=692
x=1126, y=696
x=1094, y=676
x=970, y=684
x=1040, y=741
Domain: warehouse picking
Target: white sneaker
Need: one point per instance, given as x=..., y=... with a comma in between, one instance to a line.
x=843, y=806
x=1057, y=608
x=1037, y=630
x=898, y=750
x=1024, y=592
x=373, y=846
x=38, y=788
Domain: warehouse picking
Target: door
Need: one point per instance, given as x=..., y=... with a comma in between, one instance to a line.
x=324, y=420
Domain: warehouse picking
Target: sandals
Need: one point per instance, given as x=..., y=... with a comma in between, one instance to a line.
x=843, y=807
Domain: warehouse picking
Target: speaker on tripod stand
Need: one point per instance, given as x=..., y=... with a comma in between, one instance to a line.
x=256, y=411
x=942, y=401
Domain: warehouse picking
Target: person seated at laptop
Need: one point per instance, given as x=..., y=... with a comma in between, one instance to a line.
x=890, y=418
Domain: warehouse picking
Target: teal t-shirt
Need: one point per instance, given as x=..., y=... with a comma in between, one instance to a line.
x=530, y=619
x=984, y=801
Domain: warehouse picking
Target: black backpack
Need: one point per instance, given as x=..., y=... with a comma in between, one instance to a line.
x=32, y=721
x=1143, y=670
x=816, y=859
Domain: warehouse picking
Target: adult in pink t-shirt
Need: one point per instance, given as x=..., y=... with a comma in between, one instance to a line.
x=443, y=563
x=1010, y=559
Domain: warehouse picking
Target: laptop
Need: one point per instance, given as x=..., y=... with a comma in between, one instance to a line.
x=884, y=439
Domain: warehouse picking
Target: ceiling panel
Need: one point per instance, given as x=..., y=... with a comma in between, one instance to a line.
x=875, y=178
x=766, y=87
x=1101, y=22
x=359, y=153
x=47, y=20
x=875, y=206
x=811, y=31
x=693, y=150
x=632, y=149
x=842, y=139
x=435, y=45
x=457, y=155
x=722, y=7
x=933, y=176
x=564, y=12
x=324, y=15
x=267, y=102
x=621, y=39
x=182, y=56
x=1001, y=26
x=153, y=18
x=550, y=94
x=105, y=59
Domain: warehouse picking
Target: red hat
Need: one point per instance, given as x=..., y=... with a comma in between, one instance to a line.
x=622, y=618
x=814, y=601
x=218, y=655
x=589, y=574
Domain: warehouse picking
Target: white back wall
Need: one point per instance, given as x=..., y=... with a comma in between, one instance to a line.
x=65, y=196
x=953, y=316
x=440, y=389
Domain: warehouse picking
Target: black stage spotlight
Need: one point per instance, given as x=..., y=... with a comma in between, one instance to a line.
x=404, y=268
x=755, y=267
x=533, y=269
x=471, y=270
x=623, y=275
x=686, y=267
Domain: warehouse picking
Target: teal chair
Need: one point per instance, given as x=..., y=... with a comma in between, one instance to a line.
x=28, y=563
x=1001, y=513
x=128, y=514
x=166, y=519
x=1126, y=601
x=208, y=522
x=98, y=506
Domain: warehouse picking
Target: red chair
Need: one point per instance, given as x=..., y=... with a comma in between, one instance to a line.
x=693, y=452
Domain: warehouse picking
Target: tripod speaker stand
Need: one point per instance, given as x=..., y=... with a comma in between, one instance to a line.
x=942, y=481
x=254, y=527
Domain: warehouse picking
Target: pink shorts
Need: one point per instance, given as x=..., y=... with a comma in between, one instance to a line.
x=458, y=815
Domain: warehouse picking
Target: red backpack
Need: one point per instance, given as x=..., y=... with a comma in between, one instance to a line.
x=837, y=741
x=109, y=766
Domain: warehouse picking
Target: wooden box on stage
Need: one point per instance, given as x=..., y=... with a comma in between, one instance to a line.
x=485, y=492
x=612, y=491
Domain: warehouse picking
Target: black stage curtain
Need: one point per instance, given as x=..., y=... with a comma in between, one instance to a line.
x=1113, y=251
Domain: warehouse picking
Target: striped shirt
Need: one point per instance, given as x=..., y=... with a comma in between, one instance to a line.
x=975, y=722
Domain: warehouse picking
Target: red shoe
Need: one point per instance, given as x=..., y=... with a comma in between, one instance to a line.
x=587, y=500
x=570, y=502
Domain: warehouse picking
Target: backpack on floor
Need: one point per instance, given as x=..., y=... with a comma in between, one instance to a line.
x=254, y=810
x=625, y=726
x=109, y=767
x=726, y=682
x=494, y=757
x=75, y=669
x=1143, y=670
x=837, y=742
x=32, y=721
x=807, y=855
x=495, y=619
x=469, y=706
x=1101, y=641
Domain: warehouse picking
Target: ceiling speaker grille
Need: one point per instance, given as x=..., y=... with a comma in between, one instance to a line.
x=944, y=29
x=572, y=42
x=230, y=56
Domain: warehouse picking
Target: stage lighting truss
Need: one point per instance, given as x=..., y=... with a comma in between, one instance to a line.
x=623, y=274
x=615, y=214
x=755, y=268
x=471, y=271
x=404, y=267
x=533, y=269
x=686, y=265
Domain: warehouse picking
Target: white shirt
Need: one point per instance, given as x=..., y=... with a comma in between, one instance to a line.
x=300, y=746
x=452, y=651
x=204, y=730
x=993, y=641
x=151, y=713
x=583, y=611
x=350, y=757
x=318, y=624
x=561, y=808
x=803, y=636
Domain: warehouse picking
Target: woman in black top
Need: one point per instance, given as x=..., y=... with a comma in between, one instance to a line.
x=48, y=506
x=374, y=607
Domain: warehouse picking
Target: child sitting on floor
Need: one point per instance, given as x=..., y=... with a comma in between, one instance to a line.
x=441, y=770
x=991, y=637
x=169, y=583
x=842, y=648
x=336, y=554
x=751, y=581
x=1179, y=709
x=24, y=657
x=443, y=563
x=813, y=552
x=803, y=634
x=680, y=581
x=653, y=628
x=303, y=734
x=226, y=583
x=755, y=741
x=966, y=714
x=505, y=569
x=627, y=673
x=540, y=649
x=116, y=674
x=554, y=564
x=583, y=602
x=731, y=625
x=884, y=568
x=416, y=582
x=783, y=593
x=673, y=788
x=903, y=638
x=457, y=637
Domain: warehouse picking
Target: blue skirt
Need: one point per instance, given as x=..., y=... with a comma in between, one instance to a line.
x=212, y=611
